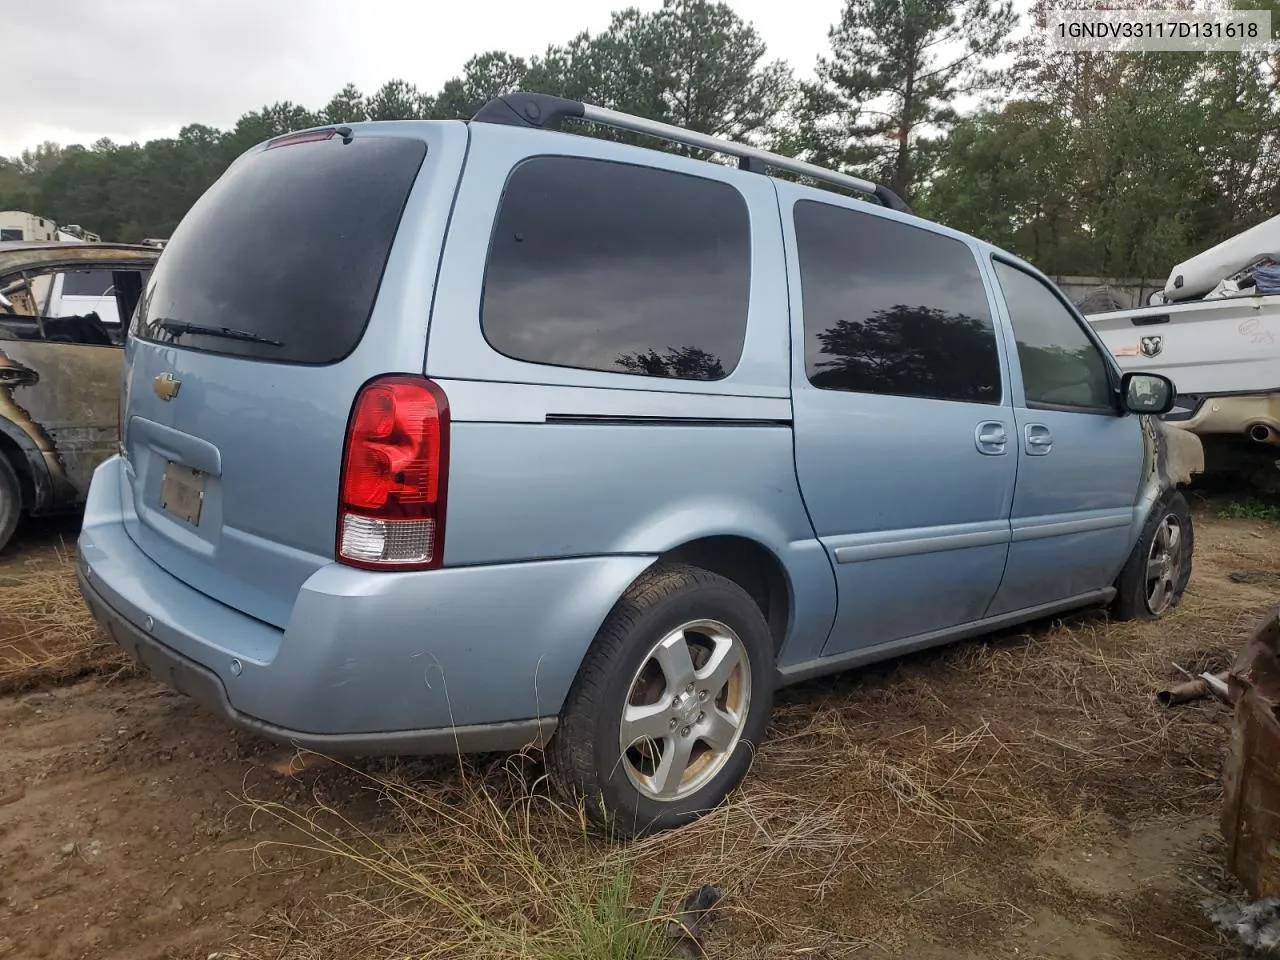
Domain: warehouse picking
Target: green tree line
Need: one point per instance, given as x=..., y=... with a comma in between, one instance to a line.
x=1085, y=163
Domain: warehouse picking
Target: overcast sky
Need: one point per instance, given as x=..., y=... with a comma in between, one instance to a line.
x=138, y=69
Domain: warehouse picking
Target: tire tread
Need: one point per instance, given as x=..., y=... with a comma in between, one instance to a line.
x=1130, y=600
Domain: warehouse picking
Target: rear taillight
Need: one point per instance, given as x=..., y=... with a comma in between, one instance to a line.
x=394, y=471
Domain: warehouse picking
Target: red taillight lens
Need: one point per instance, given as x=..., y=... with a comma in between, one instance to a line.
x=391, y=502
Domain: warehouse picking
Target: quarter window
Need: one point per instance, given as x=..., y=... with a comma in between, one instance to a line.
x=893, y=309
x=620, y=268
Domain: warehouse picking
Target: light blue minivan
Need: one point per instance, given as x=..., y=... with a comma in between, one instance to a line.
x=466, y=436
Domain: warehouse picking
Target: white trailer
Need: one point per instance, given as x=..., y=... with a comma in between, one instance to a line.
x=15, y=225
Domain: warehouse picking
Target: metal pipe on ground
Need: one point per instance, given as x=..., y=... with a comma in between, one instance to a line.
x=1197, y=688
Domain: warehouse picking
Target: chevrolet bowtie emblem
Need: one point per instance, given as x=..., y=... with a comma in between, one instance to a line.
x=166, y=386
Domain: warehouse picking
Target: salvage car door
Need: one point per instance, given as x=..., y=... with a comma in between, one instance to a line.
x=1080, y=456
x=60, y=368
x=904, y=434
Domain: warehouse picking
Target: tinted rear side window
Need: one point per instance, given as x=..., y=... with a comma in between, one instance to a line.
x=892, y=309
x=621, y=268
x=285, y=252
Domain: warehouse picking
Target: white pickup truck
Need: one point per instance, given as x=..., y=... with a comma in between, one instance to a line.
x=1216, y=335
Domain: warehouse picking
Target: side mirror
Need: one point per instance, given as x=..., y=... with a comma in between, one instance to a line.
x=1147, y=393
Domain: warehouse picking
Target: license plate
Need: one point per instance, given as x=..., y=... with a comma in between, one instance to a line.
x=182, y=492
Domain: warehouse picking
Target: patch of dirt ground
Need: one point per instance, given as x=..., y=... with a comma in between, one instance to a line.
x=1016, y=796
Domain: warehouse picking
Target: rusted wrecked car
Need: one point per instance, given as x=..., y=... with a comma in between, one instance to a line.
x=64, y=312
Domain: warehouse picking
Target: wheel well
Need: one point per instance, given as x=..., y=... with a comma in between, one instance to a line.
x=750, y=566
x=12, y=453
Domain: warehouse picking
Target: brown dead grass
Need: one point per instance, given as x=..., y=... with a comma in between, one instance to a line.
x=47, y=636
x=886, y=807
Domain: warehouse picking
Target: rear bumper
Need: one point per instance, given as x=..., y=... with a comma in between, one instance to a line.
x=205, y=687
x=463, y=659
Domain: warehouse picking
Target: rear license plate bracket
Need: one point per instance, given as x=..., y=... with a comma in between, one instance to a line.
x=182, y=492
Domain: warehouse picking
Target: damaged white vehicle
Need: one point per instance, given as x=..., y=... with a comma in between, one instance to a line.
x=1215, y=331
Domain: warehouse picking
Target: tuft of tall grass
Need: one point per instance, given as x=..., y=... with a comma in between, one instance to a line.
x=47, y=635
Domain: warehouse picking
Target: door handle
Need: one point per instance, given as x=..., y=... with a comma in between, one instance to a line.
x=991, y=438
x=1038, y=441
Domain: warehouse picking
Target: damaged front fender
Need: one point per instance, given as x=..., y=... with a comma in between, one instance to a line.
x=1171, y=458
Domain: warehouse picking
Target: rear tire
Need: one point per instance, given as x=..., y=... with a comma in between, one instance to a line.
x=10, y=501
x=682, y=671
x=1155, y=576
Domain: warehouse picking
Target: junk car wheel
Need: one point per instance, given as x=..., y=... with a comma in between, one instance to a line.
x=673, y=697
x=1156, y=573
x=10, y=502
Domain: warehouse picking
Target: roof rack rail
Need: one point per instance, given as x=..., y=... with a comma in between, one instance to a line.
x=540, y=110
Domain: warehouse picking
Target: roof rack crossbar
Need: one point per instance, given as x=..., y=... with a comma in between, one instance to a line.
x=540, y=110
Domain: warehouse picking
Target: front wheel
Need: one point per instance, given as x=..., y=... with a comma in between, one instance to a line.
x=669, y=704
x=1156, y=573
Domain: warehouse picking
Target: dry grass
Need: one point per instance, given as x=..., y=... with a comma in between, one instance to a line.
x=46, y=633
x=492, y=866
x=911, y=803
x=921, y=794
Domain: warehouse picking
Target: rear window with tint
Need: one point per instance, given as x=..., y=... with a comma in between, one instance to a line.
x=285, y=252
